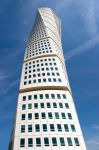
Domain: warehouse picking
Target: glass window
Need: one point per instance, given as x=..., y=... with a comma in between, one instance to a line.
x=30, y=116
x=29, y=97
x=35, y=105
x=59, y=128
x=23, y=106
x=66, y=127
x=53, y=96
x=52, y=127
x=76, y=142
x=35, y=96
x=36, y=116
x=54, y=79
x=44, y=127
x=44, y=80
x=54, y=141
x=69, y=115
x=41, y=96
x=22, y=142
x=62, y=142
x=66, y=105
x=30, y=128
x=25, y=83
x=64, y=96
x=49, y=79
x=39, y=80
x=24, y=98
x=23, y=117
x=69, y=140
x=46, y=141
x=58, y=96
x=48, y=105
x=53, y=74
x=29, y=106
x=60, y=105
x=56, y=115
x=63, y=115
x=43, y=115
x=59, y=80
x=50, y=115
x=73, y=128
x=42, y=105
x=37, y=128
x=54, y=105
x=22, y=128
x=30, y=142
x=38, y=142
x=47, y=96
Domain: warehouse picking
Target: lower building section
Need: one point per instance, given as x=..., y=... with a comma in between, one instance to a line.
x=46, y=119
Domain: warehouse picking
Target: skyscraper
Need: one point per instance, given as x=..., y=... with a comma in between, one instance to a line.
x=46, y=118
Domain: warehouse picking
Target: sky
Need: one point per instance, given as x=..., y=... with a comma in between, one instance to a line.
x=80, y=39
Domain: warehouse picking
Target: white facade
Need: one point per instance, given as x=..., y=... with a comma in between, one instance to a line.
x=46, y=118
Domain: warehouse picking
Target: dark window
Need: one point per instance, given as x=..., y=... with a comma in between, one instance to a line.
x=35, y=105
x=59, y=80
x=72, y=128
x=22, y=142
x=39, y=80
x=30, y=116
x=63, y=115
x=56, y=115
x=29, y=106
x=24, y=98
x=66, y=105
x=23, y=117
x=46, y=141
x=43, y=115
x=69, y=140
x=54, y=141
x=30, y=128
x=29, y=97
x=42, y=105
x=23, y=106
x=47, y=96
x=66, y=127
x=50, y=115
x=38, y=142
x=25, y=83
x=54, y=105
x=54, y=79
x=36, y=116
x=62, y=142
x=30, y=142
x=69, y=115
x=53, y=96
x=58, y=96
x=59, y=127
x=35, y=96
x=52, y=127
x=48, y=105
x=44, y=80
x=44, y=127
x=76, y=142
x=60, y=105
x=49, y=79
x=64, y=96
x=22, y=128
x=37, y=128
x=41, y=96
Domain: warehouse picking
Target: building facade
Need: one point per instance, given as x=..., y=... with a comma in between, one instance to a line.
x=46, y=117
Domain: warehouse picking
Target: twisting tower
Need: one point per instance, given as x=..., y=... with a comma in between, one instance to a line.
x=46, y=118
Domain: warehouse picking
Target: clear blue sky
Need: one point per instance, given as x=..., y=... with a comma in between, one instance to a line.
x=80, y=29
